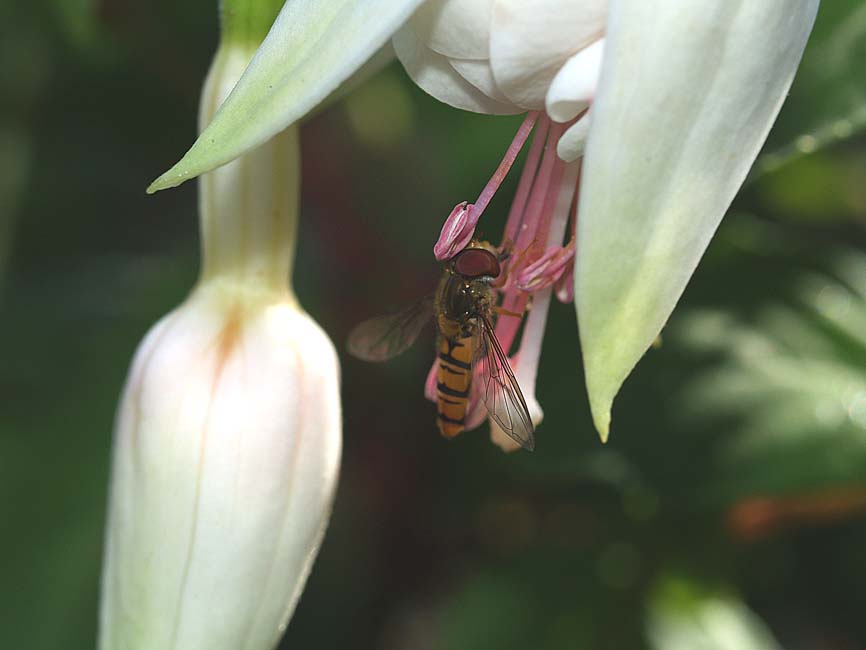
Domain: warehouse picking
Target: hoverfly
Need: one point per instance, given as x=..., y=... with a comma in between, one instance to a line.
x=471, y=359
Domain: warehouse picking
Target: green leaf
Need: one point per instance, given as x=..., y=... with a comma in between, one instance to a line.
x=687, y=95
x=785, y=399
x=311, y=49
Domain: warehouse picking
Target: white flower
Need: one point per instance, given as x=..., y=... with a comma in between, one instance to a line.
x=227, y=440
x=686, y=93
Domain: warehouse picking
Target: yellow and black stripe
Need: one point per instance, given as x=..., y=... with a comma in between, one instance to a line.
x=453, y=383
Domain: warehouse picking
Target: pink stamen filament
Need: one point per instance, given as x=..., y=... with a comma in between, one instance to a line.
x=518, y=206
x=533, y=332
x=513, y=299
x=502, y=171
x=558, y=189
x=538, y=196
x=564, y=202
x=459, y=227
x=564, y=286
x=530, y=343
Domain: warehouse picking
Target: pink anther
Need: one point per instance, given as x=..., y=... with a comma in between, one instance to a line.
x=546, y=270
x=456, y=232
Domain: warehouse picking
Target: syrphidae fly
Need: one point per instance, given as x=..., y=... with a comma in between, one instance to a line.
x=471, y=362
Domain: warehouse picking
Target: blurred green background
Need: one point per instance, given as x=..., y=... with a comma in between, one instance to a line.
x=728, y=509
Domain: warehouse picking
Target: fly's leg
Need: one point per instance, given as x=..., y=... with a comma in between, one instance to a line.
x=506, y=250
x=506, y=312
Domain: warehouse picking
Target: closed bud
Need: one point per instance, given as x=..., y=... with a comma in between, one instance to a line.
x=227, y=446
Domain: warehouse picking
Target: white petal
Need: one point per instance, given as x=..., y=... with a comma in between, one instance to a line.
x=434, y=74
x=457, y=29
x=311, y=49
x=573, y=87
x=530, y=40
x=478, y=73
x=572, y=143
x=688, y=93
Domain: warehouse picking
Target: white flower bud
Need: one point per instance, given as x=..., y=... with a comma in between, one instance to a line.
x=227, y=447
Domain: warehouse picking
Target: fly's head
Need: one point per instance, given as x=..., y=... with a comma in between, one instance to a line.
x=465, y=292
x=475, y=261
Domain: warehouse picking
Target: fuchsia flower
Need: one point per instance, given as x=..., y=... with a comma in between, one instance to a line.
x=668, y=103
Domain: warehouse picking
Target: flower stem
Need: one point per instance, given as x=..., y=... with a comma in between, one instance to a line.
x=249, y=207
x=530, y=167
x=504, y=166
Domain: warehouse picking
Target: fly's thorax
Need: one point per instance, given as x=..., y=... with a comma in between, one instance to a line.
x=481, y=295
x=463, y=299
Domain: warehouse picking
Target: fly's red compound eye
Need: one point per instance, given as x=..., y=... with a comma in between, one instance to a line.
x=476, y=262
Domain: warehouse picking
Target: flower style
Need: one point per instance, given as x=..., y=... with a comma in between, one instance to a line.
x=669, y=103
x=227, y=440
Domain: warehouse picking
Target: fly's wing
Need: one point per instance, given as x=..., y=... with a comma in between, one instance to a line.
x=498, y=388
x=383, y=337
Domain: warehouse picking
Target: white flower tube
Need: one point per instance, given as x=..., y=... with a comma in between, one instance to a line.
x=227, y=440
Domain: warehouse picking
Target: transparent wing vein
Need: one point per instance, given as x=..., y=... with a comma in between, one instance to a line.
x=498, y=389
x=383, y=337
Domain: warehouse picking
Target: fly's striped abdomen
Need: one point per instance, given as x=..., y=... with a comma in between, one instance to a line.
x=453, y=383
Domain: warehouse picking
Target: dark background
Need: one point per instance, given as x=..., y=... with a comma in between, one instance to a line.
x=728, y=507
